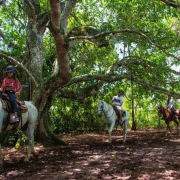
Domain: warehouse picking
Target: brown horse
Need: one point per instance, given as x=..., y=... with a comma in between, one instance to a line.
x=167, y=115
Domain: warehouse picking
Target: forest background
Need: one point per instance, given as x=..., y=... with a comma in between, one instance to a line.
x=70, y=53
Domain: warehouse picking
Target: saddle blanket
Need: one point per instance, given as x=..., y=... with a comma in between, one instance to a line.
x=21, y=106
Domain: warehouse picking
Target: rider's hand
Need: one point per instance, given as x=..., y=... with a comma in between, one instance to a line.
x=17, y=93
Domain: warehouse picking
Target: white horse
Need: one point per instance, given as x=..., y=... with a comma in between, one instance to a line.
x=110, y=118
x=28, y=124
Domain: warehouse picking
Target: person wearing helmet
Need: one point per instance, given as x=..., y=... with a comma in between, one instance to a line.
x=170, y=104
x=12, y=87
x=118, y=102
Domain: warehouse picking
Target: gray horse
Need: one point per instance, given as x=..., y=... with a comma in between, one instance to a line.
x=110, y=118
x=29, y=120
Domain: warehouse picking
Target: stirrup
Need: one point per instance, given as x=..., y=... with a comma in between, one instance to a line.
x=15, y=120
x=120, y=122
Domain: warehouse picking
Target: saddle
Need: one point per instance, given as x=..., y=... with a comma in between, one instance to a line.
x=123, y=114
x=7, y=107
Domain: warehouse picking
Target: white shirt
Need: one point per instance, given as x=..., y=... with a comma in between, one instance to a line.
x=118, y=100
x=171, y=103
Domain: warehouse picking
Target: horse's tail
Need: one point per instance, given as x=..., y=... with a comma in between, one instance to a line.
x=127, y=115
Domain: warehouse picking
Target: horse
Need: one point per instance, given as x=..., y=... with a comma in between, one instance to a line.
x=27, y=126
x=167, y=115
x=110, y=118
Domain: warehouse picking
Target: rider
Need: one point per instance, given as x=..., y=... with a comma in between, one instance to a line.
x=118, y=102
x=170, y=104
x=12, y=87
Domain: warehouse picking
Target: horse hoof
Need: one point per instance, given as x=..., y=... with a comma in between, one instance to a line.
x=35, y=155
x=26, y=160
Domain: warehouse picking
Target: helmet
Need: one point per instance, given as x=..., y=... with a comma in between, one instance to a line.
x=11, y=69
x=122, y=92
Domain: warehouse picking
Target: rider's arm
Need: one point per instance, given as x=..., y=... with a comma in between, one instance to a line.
x=120, y=104
x=111, y=101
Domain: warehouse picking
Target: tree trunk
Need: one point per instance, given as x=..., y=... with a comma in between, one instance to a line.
x=43, y=132
x=133, y=119
x=34, y=42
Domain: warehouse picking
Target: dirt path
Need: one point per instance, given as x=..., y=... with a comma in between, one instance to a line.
x=146, y=155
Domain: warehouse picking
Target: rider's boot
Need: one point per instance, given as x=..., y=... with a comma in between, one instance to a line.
x=120, y=118
x=13, y=118
x=120, y=121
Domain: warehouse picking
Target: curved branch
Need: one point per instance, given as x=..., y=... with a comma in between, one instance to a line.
x=113, y=78
x=66, y=12
x=171, y=3
x=124, y=31
x=33, y=11
x=116, y=32
x=133, y=60
x=82, y=93
x=16, y=63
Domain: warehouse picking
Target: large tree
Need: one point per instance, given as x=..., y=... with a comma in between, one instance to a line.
x=80, y=37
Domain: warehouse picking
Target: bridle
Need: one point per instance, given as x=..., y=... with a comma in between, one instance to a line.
x=102, y=108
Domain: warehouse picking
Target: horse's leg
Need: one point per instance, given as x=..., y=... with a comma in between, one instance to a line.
x=177, y=123
x=1, y=157
x=168, y=127
x=108, y=128
x=30, y=135
x=125, y=124
x=110, y=138
x=110, y=131
x=29, y=132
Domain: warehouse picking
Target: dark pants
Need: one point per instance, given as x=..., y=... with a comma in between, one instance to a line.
x=13, y=103
x=173, y=110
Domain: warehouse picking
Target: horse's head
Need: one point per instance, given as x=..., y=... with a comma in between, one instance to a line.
x=100, y=107
x=160, y=110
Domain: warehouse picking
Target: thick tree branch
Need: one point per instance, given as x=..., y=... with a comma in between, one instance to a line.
x=116, y=32
x=33, y=11
x=16, y=63
x=88, y=31
x=81, y=93
x=64, y=74
x=109, y=76
x=113, y=78
x=171, y=3
x=65, y=15
x=124, y=31
x=126, y=61
x=55, y=18
x=43, y=20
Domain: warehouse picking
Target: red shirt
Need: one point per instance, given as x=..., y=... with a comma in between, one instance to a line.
x=11, y=84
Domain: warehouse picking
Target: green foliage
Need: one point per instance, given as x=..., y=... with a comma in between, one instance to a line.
x=67, y=115
x=153, y=18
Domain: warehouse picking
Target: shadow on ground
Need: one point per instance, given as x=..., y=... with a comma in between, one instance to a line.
x=147, y=154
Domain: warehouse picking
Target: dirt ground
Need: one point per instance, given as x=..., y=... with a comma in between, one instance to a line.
x=147, y=154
